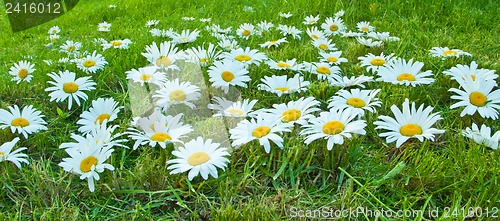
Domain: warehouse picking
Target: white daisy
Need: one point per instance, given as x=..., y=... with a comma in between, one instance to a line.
x=203, y=56
x=151, y=23
x=332, y=57
x=282, y=85
x=446, y=52
x=66, y=86
x=101, y=110
x=188, y=18
x=274, y=43
x=54, y=30
x=286, y=30
x=70, y=47
x=15, y=156
x=333, y=26
x=245, y=30
x=339, y=14
x=382, y=36
x=373, y=62
x=175, y=92
x=264, y=128
x=228, y=44
x=324, y=44
x=405, y=72
x=25, y=121
x=352, y=81
x=364, y=26
x=22, y=71
x=199, y=157
x=477, y=96
x=99, y=134
x=285, y=15
x=368, y=42
x=205, y=20
x=411, y=123
x=324, y=70
x=472, y=71
x=482, y=136
x=117, y=44
x=103, y=26
x=333, y=126
x=351, y=34
x=246, y=56
x=228, y=73
x=53, y=38
x=92, y=63
x=87, y=162
x=228, y=108
x=298, y=111
x=290, y=65
x=310, y=20
x=248, y=8
x=355, y=101
x=149, y=74
x=315, y=34
x=163, y=56
x=264, y=26
x=186, y=36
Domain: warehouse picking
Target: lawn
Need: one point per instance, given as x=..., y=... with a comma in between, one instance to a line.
x=449, y=178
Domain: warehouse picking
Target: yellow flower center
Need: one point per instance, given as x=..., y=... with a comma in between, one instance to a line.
x=146, y=77
x=334, y=27
x=312, y=22
x=273, y=42
x=2, y=153
x=365, y=29
x=261, y=131
x=410, y=130
x=236, y=112
x=283, y=65
x=450, y=52
x=116, y=43
x=290, y=115
x=243, y=58
x=377, y=62
x=323, y=46
x=71, y=48
x=54, y=31
x=54, y=39
x=246, y=32
x=160, y=137
x=70, y=87
x=406, y=76
x=323, y=70
x=89, y=63
x=477, y=98
x=198, y=158
x=227, y=76
x=315, y=37
x=177, y=95
x=184, y=39
x=356, y=102
x=282, y=89
x=20, y=122
x=101, y=118
x=87, y=163
x=163, y=60
x=332, y=59
x=22, y=73
x=204, y=60
x=333, y=127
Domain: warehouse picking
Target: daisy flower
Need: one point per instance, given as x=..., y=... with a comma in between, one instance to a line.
x=315, y=34
x=339, y=14
x=285, y=15
x=159, y=131
x=148, y=74
x=15, y=156
x=23, y=122
x=228, y=73
x=332, y=57
x=482, y=136
x=228, y=44
x=214, y=28
x=162, y=57
x=286, y=30
x=324, y=44
x=101, y=110
x=112, y=6
x=364, y=26
x=446, y=52
x=88, y=162
x=264, y=26
x=54, y=30
x=324, y=71
x=228, y=108
x=290, y=65
x=351, y=34
x=103, y=26
x=264, y=128
x=22, y=71
x=411, y=123
x=186, y=36
x=199, y=157
x=310, y=20
x=99, y=134
x=175, y=92
x=477, y=96
x=53, y=38
x=405, y=72
x=247, y=8
x=151, y=23
x=203, y=56
x=374, y=62
x=355, y=101
x=70, y=47
x=205, y=19
x=298, y=111
x=352, y=81
x=66, y=86
x=246, y=56
x=472, y=71
x=333, y=126
x=368, y=42
x=92, y=63
x=282, y=85
x=333, y=26
x=274, y=43
x=245, y=30
x=382, y=36
x=188, y=18
x=117, y=44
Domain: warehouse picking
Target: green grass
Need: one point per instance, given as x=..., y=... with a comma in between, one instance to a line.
x=366, y=172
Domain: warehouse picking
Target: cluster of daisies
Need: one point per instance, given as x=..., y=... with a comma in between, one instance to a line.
x=228, y=66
